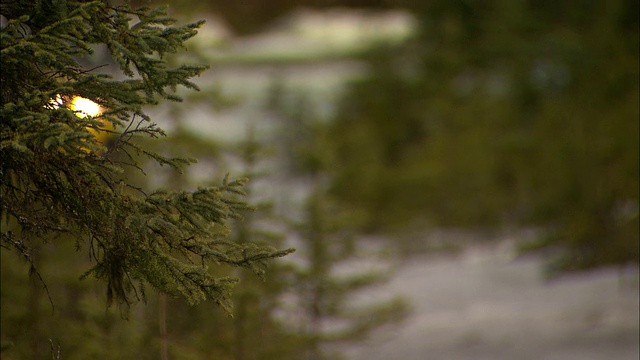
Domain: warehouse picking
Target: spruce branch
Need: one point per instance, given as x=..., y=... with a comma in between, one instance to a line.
x=56, y=177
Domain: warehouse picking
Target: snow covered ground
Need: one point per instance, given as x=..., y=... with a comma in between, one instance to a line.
x=486, y=304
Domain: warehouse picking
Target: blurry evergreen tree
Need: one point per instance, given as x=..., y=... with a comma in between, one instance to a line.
x=59, y=180
x=258, y=332
x=255, y=331
x=324, y=284
x=503, y=113
x=328, y=315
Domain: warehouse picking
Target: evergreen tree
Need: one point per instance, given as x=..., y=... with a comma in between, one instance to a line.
x=57, y=177
x=326, y=233
x=328, y=315
x=258, y=333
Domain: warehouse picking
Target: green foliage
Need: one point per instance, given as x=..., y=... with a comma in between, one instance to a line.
x=257, y=331
x=326, y=294
x=325, y=280
x=502, y=114
x=58, y=178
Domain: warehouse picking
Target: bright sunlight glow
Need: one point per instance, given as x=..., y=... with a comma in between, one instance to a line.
x=81, y=106
x=84, y=107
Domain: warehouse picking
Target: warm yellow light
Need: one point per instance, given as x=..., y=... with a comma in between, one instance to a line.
x=57, y=102
x=84, y=107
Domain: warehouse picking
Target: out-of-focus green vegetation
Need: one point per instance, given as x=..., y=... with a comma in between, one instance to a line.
x=76, y=320
x=499, y=114
x=496, y=114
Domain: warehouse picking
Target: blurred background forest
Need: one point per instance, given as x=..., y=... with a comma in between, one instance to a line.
x=378, y=134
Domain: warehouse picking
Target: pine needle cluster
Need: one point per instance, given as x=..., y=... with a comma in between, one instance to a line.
x=57, y=177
